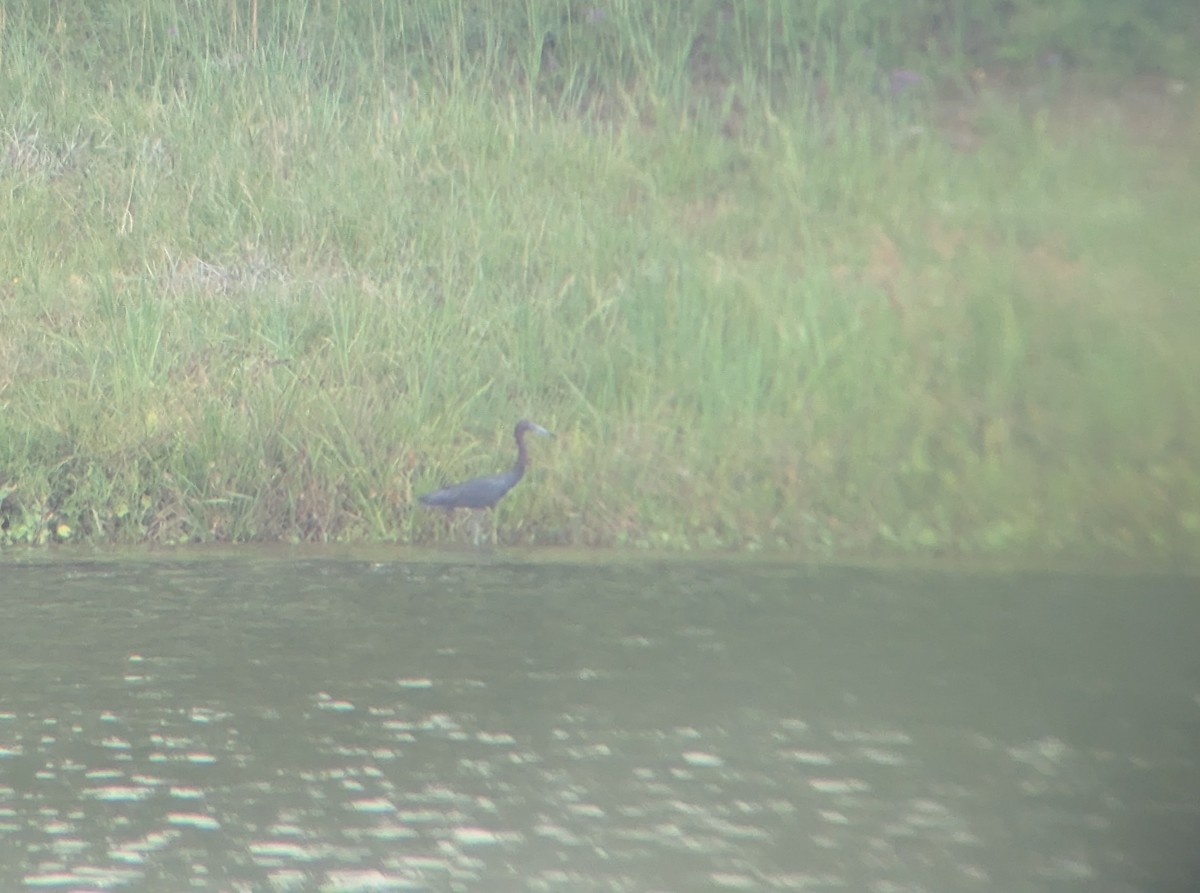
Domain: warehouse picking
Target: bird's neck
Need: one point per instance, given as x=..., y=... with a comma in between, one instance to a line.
x=519, y=467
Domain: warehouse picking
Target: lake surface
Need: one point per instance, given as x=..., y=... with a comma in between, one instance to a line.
x=490, y=724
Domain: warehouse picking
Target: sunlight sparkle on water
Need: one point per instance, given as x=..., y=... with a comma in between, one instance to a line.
x=194, y=820
x=117, y=793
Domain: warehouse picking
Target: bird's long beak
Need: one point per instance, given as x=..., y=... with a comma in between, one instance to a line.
x=542, y=431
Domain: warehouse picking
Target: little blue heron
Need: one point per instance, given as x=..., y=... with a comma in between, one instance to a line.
x=485, y=492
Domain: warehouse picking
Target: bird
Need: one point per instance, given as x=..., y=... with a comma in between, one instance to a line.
x=485, y=492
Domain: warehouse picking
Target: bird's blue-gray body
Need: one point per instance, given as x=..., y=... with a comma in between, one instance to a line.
x=477, y=493
x=485, y=492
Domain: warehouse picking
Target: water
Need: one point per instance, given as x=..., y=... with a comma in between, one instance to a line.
x=346, y=725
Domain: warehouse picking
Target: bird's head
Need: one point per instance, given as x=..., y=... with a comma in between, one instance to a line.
x=526, y=425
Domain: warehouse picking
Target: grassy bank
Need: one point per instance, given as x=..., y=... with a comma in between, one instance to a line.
x=777, y=283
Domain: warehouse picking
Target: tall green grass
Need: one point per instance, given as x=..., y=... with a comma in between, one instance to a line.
x=269, y=273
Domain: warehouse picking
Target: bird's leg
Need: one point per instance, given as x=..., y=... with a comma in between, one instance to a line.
x=446, y=523
x=477, y=525
x=455, y=522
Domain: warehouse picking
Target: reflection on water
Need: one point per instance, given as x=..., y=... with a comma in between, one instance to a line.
x=344, y=725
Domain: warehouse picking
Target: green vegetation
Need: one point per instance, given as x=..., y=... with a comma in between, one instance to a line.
x=795, y=277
